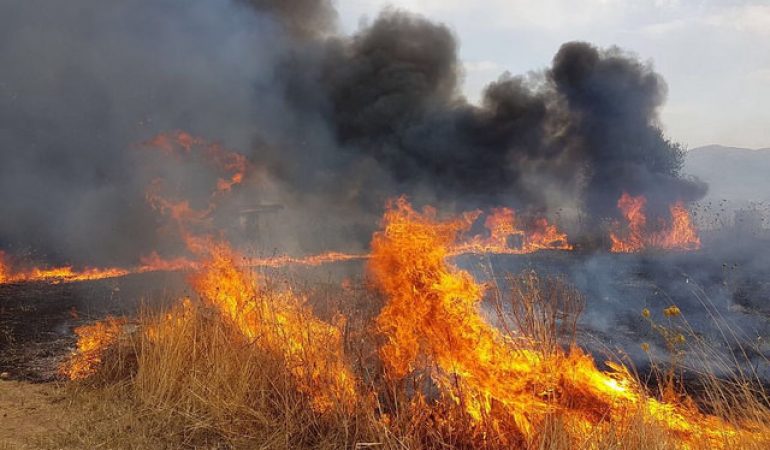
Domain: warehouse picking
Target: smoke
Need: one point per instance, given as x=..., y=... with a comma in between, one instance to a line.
x=82, y=83
x=577, y=134
x=332, y=124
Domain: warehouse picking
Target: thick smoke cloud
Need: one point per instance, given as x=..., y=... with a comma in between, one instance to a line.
x=390, y=94
x=333, y=124
x=612, y=101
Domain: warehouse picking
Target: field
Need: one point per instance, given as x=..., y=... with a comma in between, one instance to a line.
x=416, y=354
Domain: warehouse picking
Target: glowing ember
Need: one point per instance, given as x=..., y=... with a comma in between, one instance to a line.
x=432, y=320
x=679, y=234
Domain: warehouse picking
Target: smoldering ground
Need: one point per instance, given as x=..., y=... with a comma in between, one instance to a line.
x=332, y=124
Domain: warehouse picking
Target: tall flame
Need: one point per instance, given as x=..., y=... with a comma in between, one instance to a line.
x=679, y=234
x=432, y=319
x=280, y=322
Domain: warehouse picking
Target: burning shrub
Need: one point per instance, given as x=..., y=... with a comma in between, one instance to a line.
x=94, y=341
x=679, y=234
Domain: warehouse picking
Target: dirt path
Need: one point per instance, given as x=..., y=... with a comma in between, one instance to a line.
x=28, y=412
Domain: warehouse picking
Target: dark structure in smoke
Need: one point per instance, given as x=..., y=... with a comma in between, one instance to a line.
x=339, y=123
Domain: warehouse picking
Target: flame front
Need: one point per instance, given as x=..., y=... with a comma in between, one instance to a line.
x=432, y=320
x=506, y=236
x=679, y=234
x=280, y=322
x=68, y=274
x=64, y=274
x=93, y=341
x=277, y=321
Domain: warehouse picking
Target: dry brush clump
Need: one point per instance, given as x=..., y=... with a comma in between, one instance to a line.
x=193, y=375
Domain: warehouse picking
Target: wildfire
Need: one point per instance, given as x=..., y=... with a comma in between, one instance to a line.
x=64, y=274
x=68, y=274
x=93, y=340
x=432, y=320
x=679, y=234
x=431, y=324
x=279, y=322
x=506, y=236
x=181, y=144
x=155, y=263
x=311, y=260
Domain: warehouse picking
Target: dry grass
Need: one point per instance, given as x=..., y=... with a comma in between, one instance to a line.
x=187, y=378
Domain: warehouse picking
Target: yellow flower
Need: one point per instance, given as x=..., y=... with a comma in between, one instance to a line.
x=646, y=312
x=645, y=347
x=672, y=311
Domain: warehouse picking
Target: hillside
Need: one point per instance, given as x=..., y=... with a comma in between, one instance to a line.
x=734, y=174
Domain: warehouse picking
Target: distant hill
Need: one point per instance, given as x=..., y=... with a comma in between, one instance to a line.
x=733, y=174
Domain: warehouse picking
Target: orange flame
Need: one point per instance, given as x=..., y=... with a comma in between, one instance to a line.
x=680, y=234
x=432, y=319
x=64, y=274
x=67, y=274
x=155, y=263
x=181, y=143
x=507, y=237
x=311, y=260
x=280, y=322
x=93, y=341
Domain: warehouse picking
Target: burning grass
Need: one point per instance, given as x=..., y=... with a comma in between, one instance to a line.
x=414, y=362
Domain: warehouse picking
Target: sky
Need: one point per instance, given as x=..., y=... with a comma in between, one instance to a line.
x=714, y=54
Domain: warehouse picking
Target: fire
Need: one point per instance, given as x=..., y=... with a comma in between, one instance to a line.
x=181, y=144
x=63, y=274
x=68, y=274
x=432, y=320
x=311, y=260
x=506, y=236
x=280, y=322
x=431, y=324
x=680, y=234
x=155, y=263
x=93, y=340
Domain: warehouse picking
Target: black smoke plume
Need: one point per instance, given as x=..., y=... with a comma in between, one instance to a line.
x=334, y=124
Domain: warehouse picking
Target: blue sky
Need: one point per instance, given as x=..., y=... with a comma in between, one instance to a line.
x=714, y=55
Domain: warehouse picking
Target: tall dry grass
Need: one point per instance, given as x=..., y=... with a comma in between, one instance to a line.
x=187, y=378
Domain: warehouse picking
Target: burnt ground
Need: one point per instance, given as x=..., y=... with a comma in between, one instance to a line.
x=723, y=293
x=724, y=296
x=37, y=319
